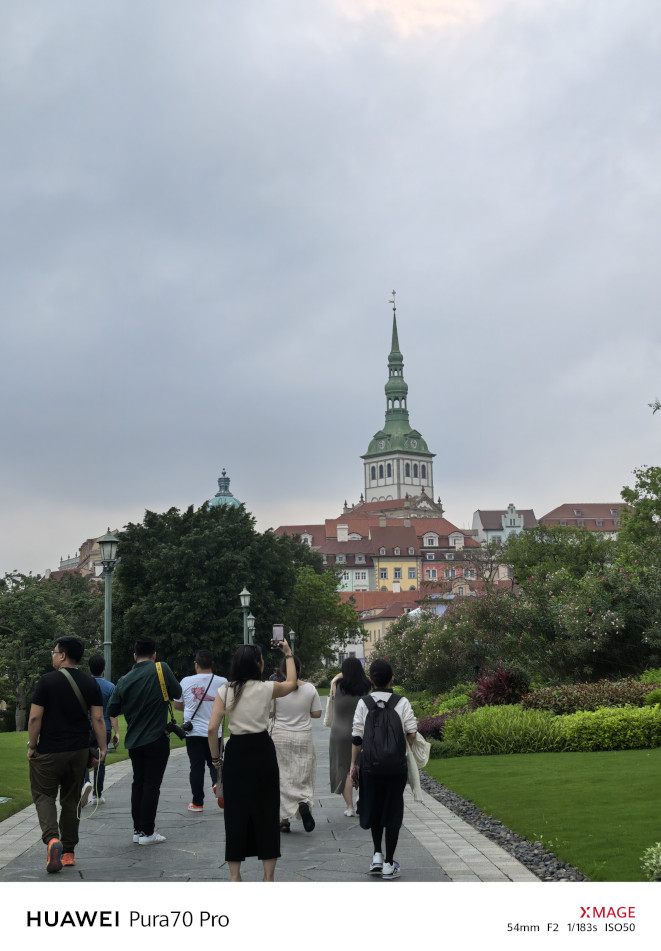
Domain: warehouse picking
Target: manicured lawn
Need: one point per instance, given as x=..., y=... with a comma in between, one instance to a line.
x=596, y=811
x=14, y=779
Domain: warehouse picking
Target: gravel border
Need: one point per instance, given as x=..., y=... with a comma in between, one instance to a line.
x=533, y=855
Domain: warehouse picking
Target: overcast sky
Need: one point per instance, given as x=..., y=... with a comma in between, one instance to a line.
x=205, y=206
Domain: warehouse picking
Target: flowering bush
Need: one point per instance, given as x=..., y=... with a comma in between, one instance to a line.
x=651, y=862
x=575, y=697
x=432, y=728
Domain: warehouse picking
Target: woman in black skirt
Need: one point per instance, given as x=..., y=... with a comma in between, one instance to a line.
x=251, y=782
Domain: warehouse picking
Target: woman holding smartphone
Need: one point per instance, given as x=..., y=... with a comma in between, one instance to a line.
x=250, y=770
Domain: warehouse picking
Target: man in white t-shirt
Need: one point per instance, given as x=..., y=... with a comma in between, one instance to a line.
x=197, y=697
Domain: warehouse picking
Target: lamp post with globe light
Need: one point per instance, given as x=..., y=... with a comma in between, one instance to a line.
x=108, y=548
x=244, y=598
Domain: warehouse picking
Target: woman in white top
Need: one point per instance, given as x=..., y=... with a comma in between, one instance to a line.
x=250, y=768
x=297, y=760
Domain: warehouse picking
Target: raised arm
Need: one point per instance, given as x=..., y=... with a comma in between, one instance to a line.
x=281, y=690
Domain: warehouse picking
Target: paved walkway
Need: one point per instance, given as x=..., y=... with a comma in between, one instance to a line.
x=434, y=845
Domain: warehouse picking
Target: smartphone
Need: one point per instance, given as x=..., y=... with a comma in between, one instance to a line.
x=278, y=633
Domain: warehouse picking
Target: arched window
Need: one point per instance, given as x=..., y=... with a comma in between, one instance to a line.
x=407, y=470
x=380, y=472
x=373, y=473
x=423, y=472
x=415, y=470
x=389, y=470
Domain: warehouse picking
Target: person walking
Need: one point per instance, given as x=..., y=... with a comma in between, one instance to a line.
x=297, y=760
x=250, y=768
x=97, y=667
x=58, y=748
x=198, y=693
x=345, y=692
x=139, y=695
x=378, y=764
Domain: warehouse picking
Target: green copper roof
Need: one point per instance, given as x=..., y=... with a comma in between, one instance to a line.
x=223, y=496
x=396, y=435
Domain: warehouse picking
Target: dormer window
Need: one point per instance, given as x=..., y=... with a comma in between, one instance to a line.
x=306, y=539
x=382, y=551
x=360, y=559
x=397, y=551
x=599, y=522
x=613, y=511
x=578, y=511
x=449, y=556
x=411, y=551
x=431, y=541
x=341, y=559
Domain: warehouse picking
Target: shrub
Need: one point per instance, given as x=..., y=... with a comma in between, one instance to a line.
x=453, y=703
x=575, y=697
x=651, y=862
x=651, y=676
x=611, y=728
x=651, y=698
x=502, y=729
x=322, y=677
x=436, y=751
x=502, y=688
x=432, y=728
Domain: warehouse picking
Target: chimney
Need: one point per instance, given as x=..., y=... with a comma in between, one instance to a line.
x=382, y=521
x=343, y=533
x=407, y=523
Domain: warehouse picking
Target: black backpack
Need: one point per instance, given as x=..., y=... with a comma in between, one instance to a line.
x=384, y=744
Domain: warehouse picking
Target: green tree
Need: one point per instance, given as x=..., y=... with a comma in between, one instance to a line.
x=540, y=552
x=29, y=626
x=640, y=535
x=321, y=621
x=179, y=581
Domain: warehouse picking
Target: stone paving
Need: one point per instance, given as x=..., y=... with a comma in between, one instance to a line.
x=435, y=845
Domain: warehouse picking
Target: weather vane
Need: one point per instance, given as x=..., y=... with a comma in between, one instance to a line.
x=394, y=305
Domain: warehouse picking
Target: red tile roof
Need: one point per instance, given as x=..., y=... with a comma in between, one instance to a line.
x=492, y=518
x=587, y=513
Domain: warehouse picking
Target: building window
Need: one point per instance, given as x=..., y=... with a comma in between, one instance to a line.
x=431, y=541
x=423, y=472
x=407, y=470
x=412, y=574
x=397, y=574
x=469, y=573
x=599, y=522
x=346, y=576
x=380, y=472
x=415, y=470
x=382, y=551
x=497, y=539
x=389, y=471
x=373, y=473
x=383, y=574
x=360, y=559
x=396, y=551
x=449, y=556
x=411, y=551
x=430, y=556
x=341, y=559
x=563, y=523
x=578, y=512
x=450, y=573
x=580, y=521
x=430, y=574
x=361, y=576
x=460, y=591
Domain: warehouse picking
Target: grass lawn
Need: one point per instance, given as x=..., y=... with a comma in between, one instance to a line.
x=14, y=778
x=596, y=811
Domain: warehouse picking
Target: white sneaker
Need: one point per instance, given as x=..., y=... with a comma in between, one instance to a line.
x=136, y=836
x=390, y=871
x=97, y=801
x=151, y=839
x=377, y=864
x=85, y=794
x=349, y=812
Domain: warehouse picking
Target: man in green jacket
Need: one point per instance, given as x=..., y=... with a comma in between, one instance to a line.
x=139, y=696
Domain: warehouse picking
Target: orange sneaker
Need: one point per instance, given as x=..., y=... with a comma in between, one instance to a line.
x=68, y=859
x=193, y=808
x=54, y=856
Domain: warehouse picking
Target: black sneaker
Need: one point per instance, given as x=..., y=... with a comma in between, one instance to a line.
x=306, y=816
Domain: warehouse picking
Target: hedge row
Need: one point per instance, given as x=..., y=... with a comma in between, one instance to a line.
x=576, y=697
x=510, y=729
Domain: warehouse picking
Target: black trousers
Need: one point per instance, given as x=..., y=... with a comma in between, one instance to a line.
x=199, y=755
x=149, y=762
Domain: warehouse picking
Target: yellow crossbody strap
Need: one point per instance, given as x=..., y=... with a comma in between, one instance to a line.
x=164, y=689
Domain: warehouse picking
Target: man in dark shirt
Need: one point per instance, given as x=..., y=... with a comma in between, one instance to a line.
x=58, y=747
x=139, y=696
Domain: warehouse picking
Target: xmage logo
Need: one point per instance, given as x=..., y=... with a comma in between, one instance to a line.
x=608, y=912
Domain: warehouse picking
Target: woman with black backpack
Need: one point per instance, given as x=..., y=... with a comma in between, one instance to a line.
x=382, y=725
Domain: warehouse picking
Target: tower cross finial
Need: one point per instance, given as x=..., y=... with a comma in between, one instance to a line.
x=394, y=305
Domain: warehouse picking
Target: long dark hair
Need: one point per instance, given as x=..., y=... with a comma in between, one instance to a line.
x=245, y=666
x=353, y=682
x=297, y=665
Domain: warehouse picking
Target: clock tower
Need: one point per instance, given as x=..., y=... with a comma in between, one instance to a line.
x=397, y=462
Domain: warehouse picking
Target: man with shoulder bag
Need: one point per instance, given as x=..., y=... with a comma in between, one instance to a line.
x=143, y=696
x=198, y=694
x=59, y=748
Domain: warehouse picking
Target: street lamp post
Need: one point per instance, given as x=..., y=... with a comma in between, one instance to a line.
x=251, y=628
x=244, y=598
x=108, y=548
x=292, y=638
